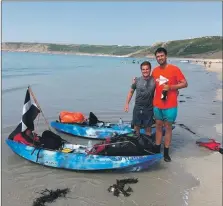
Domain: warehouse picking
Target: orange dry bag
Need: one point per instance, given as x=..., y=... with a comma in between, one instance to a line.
x=71, y=117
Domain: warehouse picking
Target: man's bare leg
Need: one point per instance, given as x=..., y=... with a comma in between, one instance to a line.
x=168, y=134
x=148, y=131
x=159, y=135
x=159, y=131
x=137, y=129
x=167, y=140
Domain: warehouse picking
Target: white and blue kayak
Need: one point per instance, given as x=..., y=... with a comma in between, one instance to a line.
x=97, y=132
x=78, y=159
x=96, y=129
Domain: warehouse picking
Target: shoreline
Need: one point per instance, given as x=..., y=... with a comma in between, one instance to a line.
x=66, y=53
x=110, y=55
x=215, y=66
x=209, y=169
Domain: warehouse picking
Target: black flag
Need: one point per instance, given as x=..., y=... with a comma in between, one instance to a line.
x=29, y=114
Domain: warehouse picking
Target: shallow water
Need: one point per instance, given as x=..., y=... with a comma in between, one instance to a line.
x=100, y=85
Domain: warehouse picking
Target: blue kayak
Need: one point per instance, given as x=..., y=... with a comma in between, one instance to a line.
x=80, y=160
x=96, y=132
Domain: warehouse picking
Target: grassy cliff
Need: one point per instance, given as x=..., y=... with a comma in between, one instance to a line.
x=71, y=48
x=94, y=49
x=196, y=47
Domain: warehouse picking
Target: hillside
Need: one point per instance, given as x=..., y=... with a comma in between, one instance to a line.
x=71, y=48
x=203, y=47
x=198, y=47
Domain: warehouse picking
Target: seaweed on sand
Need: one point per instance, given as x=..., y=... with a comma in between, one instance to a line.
x=49, y=196
x=118, y=188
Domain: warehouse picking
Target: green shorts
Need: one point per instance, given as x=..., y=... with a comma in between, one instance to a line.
x=168, y=115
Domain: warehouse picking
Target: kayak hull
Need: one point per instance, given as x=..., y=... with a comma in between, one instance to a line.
x=81, y=161
x=90, y=131
x=95, y=132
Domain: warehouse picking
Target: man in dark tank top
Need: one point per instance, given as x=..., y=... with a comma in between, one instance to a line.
x=143, y=109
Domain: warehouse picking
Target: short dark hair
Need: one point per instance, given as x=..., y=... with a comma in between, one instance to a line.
x=161, y=49
x=146, y=63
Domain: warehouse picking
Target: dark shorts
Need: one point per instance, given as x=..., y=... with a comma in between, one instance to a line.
x=142, y=117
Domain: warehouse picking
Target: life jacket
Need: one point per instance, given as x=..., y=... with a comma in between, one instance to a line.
x=26, y=139
x=71, y=117
x=99, y=148
x=209, y=143
x=48, y=140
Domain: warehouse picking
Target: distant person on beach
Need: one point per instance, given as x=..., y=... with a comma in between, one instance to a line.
x=169, y=79
x=143, y=109
x=210, y=64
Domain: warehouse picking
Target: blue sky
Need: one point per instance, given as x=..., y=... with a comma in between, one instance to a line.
x=131, y=23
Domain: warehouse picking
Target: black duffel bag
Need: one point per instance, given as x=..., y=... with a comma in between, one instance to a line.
x=50, y=140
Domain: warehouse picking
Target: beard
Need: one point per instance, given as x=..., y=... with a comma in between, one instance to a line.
x=163, y=62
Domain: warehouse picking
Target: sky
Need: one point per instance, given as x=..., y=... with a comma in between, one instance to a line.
x=109, y=23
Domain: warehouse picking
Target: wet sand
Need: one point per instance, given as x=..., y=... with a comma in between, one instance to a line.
x=208, y=169
x=215, y=66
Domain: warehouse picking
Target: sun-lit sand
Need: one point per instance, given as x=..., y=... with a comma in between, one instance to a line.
x=208, y=169
x=214, y=66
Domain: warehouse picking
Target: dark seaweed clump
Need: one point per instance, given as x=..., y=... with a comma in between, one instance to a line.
x=49, y=196
x=119, y=187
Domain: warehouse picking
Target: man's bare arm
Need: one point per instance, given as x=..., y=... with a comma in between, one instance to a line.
x=180, y=85
x=129, y=97
x=130, y=94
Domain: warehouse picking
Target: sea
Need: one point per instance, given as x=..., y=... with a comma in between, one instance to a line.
x=100, y=85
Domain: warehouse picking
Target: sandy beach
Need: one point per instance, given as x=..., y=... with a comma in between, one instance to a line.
x=215, y=66
x=208, y=170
